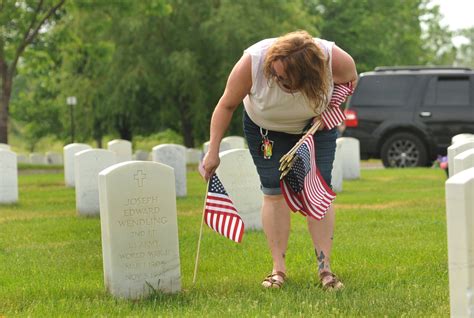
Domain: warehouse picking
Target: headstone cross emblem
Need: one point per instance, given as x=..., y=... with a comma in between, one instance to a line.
x=139, y=176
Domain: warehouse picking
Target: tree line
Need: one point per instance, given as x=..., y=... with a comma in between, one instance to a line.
x=141, y=67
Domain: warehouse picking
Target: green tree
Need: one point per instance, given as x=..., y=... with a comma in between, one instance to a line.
x=170, y=59
x=85, y=59
x=88, y=46
x=132, y=105
x=62, y=64
x=139, y=68
x=465, y=55
x=197, y=45
x=385, y=32
x=375, y=32
x=20, y=24
x=437, y=44
x=33, y=104
x=103, y=65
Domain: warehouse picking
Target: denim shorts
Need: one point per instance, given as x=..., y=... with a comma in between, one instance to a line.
x=267, y=169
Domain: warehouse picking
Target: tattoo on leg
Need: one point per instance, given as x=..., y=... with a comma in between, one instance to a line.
x=321, y=259
x=321, y=256
x=284, y=255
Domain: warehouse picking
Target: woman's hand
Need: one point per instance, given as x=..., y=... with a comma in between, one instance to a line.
x=209, y=165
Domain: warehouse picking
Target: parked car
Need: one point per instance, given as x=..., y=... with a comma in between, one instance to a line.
x=407, y=115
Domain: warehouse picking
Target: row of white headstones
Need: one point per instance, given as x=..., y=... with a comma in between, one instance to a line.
x=53, y=158
x=136, y=201
x=117, y=151
x=91, y=161
x=460, y=225
x=192, y=155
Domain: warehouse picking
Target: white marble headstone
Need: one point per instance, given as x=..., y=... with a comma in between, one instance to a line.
x=235, y=142
x=69, y=152
x=193, y=156
x=54, y=158
x=22, y=158
x=139, y=229
x=350, y=151
x=464, y=160
x=462, y=138
x=87, y=164
x=456, y=149
x=5, y=146
x=8, y=176
x=460, y=232
x=337, y=168
x=175, y=157
x=38, y=159
x=205, y=147
x=239, y=177
x=123, y=149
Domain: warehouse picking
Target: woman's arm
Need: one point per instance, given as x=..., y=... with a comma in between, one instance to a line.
x=343, y=67
x=238, y=86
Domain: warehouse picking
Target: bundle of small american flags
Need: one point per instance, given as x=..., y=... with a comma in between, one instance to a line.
x=304, y=189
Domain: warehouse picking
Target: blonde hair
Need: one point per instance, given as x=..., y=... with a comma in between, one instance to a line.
x=306, y=67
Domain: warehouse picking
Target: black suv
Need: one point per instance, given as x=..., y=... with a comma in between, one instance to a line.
x=407, y=115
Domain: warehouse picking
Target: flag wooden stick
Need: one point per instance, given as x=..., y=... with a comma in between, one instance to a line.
x=289, y=154
x=286, y=162
x=200, y=234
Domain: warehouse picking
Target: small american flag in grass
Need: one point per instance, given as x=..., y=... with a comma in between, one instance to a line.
x=303, y=187
x=220, y=212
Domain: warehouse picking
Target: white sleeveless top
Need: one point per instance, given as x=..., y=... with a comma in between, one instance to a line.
x=268, y=105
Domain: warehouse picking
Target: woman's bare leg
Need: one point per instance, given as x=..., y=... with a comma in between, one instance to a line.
x=322, y=232
x=276, y=225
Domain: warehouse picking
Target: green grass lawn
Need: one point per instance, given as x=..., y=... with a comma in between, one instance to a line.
x=389, y=250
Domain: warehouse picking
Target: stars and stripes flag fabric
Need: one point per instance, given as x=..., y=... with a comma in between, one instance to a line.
x=220, y=213
x=304, y=189
x=334, y=115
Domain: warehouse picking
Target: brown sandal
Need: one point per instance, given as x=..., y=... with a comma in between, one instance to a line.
x=271, y=282
x=333, y=284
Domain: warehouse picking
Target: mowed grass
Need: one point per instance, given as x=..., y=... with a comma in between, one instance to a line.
x=389, y=250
